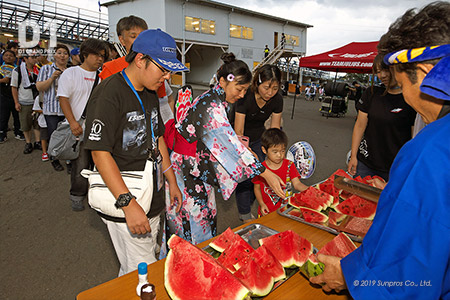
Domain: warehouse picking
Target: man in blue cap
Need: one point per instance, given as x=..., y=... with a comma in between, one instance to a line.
x=75, y=56
x=123, y=129
x=406, y=253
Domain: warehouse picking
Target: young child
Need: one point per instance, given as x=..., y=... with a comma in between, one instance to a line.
x=274, y=143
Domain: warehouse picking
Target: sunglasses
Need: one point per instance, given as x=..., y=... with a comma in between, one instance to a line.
x=163, y=70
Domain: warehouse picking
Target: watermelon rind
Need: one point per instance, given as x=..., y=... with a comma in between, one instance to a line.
x=191, y=273
x=313, y=216
x=312, y=267
x=255, y=278
x=223, y=240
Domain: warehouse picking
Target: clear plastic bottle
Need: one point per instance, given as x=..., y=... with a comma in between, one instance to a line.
x=142, y=270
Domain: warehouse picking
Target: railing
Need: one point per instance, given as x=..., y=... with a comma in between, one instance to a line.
x=72, y=23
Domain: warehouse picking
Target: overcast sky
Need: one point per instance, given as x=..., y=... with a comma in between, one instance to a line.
x=336, y=22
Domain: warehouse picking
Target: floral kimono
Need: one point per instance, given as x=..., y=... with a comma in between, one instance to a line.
x=220, y=161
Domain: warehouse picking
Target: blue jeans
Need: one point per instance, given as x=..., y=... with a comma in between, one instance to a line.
x=244, y=190
x=363, y=170
x=52, y=123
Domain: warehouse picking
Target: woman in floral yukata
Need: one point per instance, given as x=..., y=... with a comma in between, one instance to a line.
x=216, y=157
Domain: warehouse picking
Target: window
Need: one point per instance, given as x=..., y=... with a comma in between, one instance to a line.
x=241, y=32
x=192, y=24
x=292, y=40
x=208, y=27
x=199, y=25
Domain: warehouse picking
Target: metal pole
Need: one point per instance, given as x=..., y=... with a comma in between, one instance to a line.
x=295, y=91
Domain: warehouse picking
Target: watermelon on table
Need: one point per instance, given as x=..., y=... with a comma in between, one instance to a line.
x=312, y=198
x=191, y=273
x=236, y=250
x=328, y=187
x=359, y=225
x=223, y=240
x=340, y=246
x=288, y=247
x=342, y=173
x=295, y=212
x=255, y=278
x=313, y=216
x=312, y=267
x=268, y=262
x=335, y=218
x=358, y=207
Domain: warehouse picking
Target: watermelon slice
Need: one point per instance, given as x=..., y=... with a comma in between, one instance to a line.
x=312, y=198
x=255, y=278
x=236, y=250
x=288, y=247
x=356, y=224
x=223, y=240
x=191, y=273
x=312, y=267
x=313, y=216
x=268, y=262
x=340, y=246
x=358, y=207
x=295, y=212
x=328, y=187
x=335, y=218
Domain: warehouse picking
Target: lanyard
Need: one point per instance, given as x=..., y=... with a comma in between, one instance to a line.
x=142, y=105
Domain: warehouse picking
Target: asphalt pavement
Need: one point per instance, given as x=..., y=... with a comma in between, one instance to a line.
x=48, y=251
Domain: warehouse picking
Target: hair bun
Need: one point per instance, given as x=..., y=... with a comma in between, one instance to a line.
x=228, y=57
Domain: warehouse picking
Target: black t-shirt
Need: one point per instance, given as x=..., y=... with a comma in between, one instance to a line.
x=5, y=89
x=116, y=123
x=389, y=127
x=256, y=116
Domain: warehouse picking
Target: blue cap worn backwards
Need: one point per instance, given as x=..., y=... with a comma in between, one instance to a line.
x=161, y=47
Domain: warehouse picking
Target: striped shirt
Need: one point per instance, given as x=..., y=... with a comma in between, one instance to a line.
x=51, y=104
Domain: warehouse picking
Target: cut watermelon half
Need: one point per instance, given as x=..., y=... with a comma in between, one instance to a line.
x=288, y=247
x=255, y=278
x=223, y=240
x=312, y=198
x=191, y=273
x=340, y=246
x=358, y=207
x=313, y=216
x=312, y=267
x=237, y=250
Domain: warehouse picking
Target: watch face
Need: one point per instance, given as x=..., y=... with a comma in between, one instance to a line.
x=123, y=200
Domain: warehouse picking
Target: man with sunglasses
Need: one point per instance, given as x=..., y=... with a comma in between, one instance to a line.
x=123, y=129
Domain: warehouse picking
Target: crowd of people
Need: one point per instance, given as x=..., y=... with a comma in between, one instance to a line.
x=219, y=142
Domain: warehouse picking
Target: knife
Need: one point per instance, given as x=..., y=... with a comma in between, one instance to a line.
x=360, y=189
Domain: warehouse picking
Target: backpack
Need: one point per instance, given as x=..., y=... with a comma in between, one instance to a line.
x=32, y=82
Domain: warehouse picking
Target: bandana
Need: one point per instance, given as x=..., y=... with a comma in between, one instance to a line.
x=437, y=81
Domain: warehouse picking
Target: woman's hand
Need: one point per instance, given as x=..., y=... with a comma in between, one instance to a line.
x=275, y=182
x=377, y=182
x=175, y=197
x=55, y=75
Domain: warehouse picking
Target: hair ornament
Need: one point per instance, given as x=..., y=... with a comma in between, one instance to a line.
x=230, y=77
x=259, y=78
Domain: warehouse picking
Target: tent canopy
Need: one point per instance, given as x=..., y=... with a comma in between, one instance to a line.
x=351, y=58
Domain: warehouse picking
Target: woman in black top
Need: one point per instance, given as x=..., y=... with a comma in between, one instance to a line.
x=383, y=126
x=252, y=111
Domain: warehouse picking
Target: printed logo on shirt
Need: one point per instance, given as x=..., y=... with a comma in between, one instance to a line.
x=363, y=148
x=396, y=110
x=273, y=197
x=96, y=130
x=135, y=133
x=89, y=79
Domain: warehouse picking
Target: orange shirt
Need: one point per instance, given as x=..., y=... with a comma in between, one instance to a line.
x=117, y=65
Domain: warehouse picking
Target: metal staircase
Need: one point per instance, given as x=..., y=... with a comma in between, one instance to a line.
x=73, y=24
x=273, y=56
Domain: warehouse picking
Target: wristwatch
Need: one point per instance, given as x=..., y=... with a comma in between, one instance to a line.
x=124, y=200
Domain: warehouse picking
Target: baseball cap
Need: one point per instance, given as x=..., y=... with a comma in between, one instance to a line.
x=161, y=47
x=75, y=51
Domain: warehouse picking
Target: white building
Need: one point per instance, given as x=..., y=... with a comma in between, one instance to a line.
x=204, y=29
